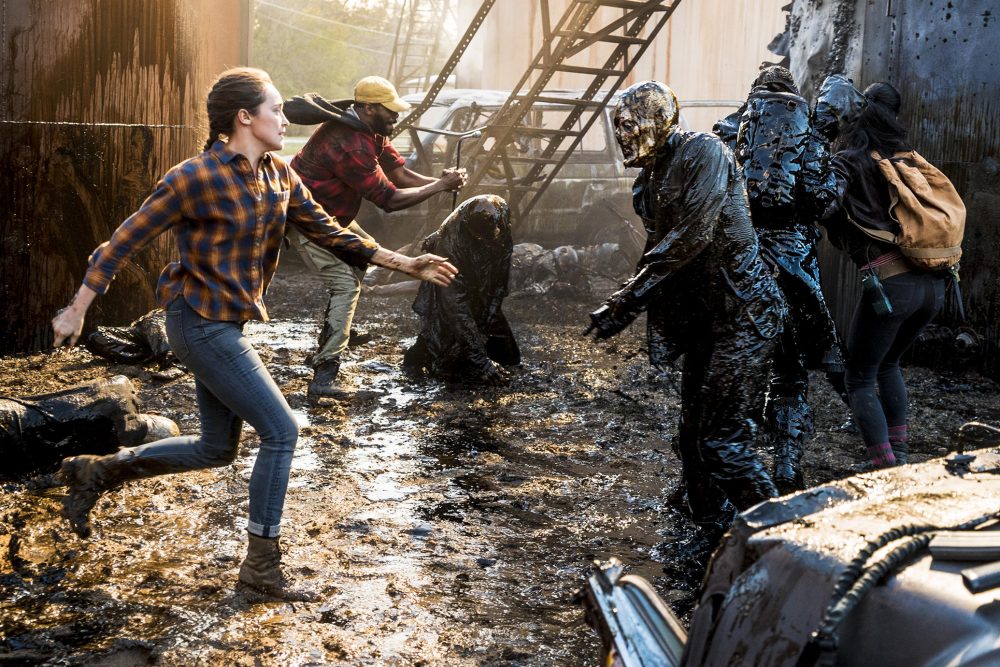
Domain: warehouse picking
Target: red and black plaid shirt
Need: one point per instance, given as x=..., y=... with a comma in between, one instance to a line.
x=341, y=166
x=229, y=225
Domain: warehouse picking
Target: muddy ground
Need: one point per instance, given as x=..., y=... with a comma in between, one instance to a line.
x=442, y=525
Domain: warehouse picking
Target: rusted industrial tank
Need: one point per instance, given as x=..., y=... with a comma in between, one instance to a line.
x=97, y=99
x=941, y=55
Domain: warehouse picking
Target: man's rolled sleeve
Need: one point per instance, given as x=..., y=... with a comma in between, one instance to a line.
x=360, y=171
x=390, y=158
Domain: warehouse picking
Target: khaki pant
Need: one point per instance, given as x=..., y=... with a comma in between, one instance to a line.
x=344, y=283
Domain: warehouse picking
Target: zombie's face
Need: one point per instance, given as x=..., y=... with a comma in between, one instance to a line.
x=644, y=118
x=485, y=217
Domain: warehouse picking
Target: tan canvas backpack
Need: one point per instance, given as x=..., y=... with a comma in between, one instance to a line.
x=929, y=211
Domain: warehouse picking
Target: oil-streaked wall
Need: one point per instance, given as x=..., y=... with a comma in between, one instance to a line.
x=943, y=58
x=97, y=99
x=708, y=50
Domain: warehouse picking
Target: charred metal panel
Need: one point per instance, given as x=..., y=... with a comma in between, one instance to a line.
x=770, y=583
x=941, y=55
x=97, y=99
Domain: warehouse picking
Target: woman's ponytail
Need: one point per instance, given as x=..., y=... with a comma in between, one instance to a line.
x=213, y=136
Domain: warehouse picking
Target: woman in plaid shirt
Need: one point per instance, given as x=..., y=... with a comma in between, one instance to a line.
x=228, y=208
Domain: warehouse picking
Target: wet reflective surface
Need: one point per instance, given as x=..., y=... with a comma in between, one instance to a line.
x=441, y=526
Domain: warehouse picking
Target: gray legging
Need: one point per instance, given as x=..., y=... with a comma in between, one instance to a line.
x=876, y=343
x=233, y=386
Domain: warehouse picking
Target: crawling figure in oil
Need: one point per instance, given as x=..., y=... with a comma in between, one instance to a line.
x=707, y=295
x=464, y=336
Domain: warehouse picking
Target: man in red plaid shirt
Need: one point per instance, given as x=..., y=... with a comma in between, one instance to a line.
x=342, y=164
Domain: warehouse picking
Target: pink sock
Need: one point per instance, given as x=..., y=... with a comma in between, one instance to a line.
x=881, y=455
x=897, y=440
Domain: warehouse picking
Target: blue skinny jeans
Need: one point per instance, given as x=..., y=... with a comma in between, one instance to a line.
x=232, y=386
x=875, y=344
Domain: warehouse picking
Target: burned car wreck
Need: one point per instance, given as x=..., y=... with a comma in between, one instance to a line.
x=895, y=567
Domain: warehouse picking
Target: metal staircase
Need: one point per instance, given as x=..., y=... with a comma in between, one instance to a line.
x=449, y=67
x=524, y=178
x=414, y=60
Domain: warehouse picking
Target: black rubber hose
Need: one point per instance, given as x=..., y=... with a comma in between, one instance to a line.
x=857, y=580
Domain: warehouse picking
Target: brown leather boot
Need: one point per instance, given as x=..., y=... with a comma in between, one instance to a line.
x=261, y=571
x=87, y=476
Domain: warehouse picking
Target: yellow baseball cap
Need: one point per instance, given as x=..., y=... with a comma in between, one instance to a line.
x=376, y=90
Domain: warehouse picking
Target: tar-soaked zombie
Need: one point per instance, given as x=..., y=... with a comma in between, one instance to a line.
x=707, y=295
x=898, y=299
x=789, y=184
x=228, y=208
x=464, y=336
x=349, y=159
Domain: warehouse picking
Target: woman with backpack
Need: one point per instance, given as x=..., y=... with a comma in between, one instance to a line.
x=898, y=298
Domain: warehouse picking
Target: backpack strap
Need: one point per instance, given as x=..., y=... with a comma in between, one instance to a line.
x=931, y=253
x=877, y=234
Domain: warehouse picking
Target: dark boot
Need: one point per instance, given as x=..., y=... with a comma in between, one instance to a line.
x=735, y=468
x=261, y=571
x=87, y=476
x=788, y=467
x=357, y=338
x=789, y=423
x=686, y=559
x=324, y=382
x=747, y=492
x=900, y=447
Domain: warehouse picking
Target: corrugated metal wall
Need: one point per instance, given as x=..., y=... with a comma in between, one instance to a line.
x=97, y=99
x=942, y=56
x=710, y=49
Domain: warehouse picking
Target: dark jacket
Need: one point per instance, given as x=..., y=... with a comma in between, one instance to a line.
x=862, y=196
x=701, y=275
x=785, y=160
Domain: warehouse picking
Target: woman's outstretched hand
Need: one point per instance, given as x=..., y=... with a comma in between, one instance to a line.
x=435, y=269
x=67, y=325
x=431, y=268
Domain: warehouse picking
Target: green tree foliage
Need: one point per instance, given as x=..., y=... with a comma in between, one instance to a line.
x=323, y=46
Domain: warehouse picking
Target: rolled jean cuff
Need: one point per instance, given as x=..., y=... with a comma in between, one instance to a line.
x=260, y=530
